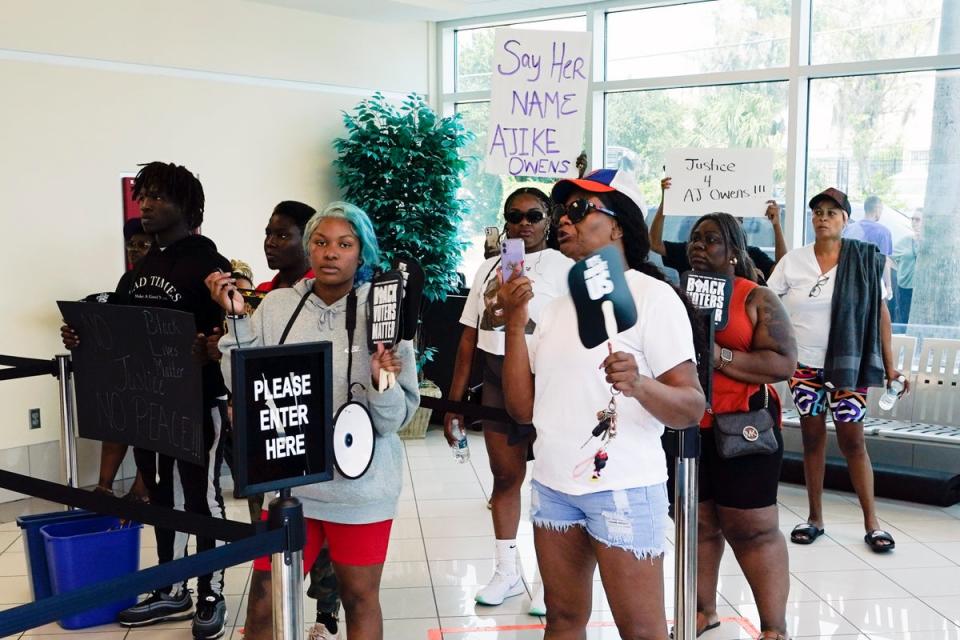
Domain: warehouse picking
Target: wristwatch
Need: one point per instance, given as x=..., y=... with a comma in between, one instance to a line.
x=726, y=357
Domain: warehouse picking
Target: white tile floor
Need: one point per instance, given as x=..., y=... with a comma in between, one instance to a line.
x=441, y=551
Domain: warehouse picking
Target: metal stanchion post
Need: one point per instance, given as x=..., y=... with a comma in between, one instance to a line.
x=287, y=568
x=685, y=525
x=68, y=436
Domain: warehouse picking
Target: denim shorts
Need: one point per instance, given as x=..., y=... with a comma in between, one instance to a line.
x=632, y=519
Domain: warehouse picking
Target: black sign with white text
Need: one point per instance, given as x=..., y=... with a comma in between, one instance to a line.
x=137, y=381
x=282, y=430
x=383, y=317
x=710, y=291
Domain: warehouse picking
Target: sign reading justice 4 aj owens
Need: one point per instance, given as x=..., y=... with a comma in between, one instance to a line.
x=538, y=95
x=282, y=431
x=136, y=378
x=734, y=181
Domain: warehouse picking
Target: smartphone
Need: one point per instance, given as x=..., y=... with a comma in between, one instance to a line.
x=511, y=256
x=491, y=242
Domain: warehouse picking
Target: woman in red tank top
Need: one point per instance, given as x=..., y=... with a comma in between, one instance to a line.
x=738, y=496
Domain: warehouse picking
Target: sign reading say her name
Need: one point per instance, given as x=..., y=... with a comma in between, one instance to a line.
x=538, y=96
x=282, y=404
x=710, y=292
x=136, y=378
x=734, y=181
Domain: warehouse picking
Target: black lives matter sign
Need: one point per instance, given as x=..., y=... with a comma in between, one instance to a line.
x=282, y=408
x=137, y=380
x=709, y=291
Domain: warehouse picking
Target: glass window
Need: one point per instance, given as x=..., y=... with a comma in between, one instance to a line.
x=484, y=192
x=893, y=139
x=474, y=49
x=848, y=31
x=642, y=125
x=726, y=35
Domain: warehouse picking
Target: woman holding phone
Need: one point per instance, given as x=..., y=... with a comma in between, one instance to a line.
x=527, y=215
x=353, y=517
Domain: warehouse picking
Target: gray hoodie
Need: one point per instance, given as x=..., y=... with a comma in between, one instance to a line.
x=373, y=497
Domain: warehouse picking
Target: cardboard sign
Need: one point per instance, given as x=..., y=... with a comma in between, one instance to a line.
x=413, y=281
x=538, y=97
x=734, y=181
x=710, y=292
x=604, y=304
x=282, y=406
x=137, y=381
x=383, y=314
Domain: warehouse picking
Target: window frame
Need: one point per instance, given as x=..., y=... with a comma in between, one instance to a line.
x=798, y=74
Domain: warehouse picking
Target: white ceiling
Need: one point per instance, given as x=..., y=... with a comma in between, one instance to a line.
x=417, y=10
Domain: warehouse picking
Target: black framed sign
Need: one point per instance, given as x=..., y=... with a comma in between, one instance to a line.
x=136, y=377
x=282, y=425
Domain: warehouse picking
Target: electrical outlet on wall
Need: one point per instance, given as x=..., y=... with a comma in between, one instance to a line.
x=35, y=418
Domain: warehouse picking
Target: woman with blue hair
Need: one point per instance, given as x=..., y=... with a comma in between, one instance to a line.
x=353, y=517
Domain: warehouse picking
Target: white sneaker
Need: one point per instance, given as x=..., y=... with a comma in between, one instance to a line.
x=500, y=588
x=537, y=606
x=319, y=631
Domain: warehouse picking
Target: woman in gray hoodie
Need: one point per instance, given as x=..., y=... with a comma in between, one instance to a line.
x=353, y=517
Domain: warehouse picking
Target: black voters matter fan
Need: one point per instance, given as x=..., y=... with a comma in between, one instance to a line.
x=709, y=292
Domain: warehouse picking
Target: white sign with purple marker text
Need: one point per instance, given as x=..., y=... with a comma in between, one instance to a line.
x=734, y=181
x=537, y=104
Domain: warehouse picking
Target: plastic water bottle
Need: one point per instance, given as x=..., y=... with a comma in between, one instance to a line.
x=892, y=394
x=461, y=449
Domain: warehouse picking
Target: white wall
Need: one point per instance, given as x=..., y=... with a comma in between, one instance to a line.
x=248, y=96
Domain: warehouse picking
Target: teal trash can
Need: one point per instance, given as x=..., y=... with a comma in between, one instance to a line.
x=87, y=551
x=35, y=552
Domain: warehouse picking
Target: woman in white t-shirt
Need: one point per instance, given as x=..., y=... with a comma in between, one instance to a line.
x=593, y=506
x=526, y=212
x=806, y=279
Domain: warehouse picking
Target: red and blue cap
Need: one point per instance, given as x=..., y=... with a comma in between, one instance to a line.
x=600, y=181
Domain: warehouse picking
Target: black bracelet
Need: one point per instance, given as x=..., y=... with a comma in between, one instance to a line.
x=239, y=316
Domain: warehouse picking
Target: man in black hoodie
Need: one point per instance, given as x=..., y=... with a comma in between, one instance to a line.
x=171, y=275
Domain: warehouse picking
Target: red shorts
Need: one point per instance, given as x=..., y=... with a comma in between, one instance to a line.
x=351, y=544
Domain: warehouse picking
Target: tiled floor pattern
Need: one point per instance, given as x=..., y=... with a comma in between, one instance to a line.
x=441, y=552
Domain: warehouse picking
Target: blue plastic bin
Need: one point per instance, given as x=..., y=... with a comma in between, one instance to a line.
x=86, y=551
x=35, y=551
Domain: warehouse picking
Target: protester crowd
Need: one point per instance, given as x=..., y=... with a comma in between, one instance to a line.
x=816, y=317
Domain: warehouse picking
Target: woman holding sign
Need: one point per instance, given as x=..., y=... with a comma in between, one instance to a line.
x=353, y=516
x=834, y=292
x=527, y=215
x=738, y=483
x=615, y=517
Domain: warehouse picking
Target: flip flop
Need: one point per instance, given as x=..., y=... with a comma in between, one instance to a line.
x=805, y=533
x=875, y=537
x=711, y=625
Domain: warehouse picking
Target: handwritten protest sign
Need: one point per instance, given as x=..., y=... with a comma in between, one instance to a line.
x=537, y=104
x=734, y=181
x=136, y=378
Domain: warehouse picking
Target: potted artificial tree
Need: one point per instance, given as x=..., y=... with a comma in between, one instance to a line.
x=402, y=165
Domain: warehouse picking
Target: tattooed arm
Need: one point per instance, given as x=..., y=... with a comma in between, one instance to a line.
x=773, y=354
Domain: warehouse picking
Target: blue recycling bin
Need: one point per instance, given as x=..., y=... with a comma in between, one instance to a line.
x=87, y=551
x=35, y=551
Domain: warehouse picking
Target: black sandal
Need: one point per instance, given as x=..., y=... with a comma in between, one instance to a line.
x=805, y=533
x=876, y=538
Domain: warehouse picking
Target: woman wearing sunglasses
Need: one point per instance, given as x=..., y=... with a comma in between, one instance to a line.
x=526, y=212
x=592, y=506
x=833, y=290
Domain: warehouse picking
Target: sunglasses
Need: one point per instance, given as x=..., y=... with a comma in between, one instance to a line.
x=515, y=216
x=140, y=244
x=578, y=210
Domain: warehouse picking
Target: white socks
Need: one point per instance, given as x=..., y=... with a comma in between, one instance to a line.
x=507, y=557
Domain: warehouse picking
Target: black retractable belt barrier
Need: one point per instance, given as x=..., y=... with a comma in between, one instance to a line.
x=30, y=616
x=467, y=409
x=26, y=367
x=204, y=526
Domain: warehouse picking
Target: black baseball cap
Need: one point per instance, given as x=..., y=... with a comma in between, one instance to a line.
x=832, y=194
x=132, y=227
